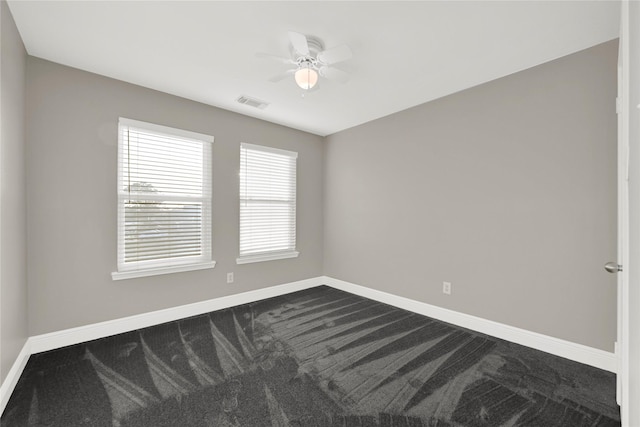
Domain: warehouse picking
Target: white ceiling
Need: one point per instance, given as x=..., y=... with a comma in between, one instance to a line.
x=405, y=53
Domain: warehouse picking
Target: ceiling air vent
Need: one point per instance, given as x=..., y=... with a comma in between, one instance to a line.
x=252, y=102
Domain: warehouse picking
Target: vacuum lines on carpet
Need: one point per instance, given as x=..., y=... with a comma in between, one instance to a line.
x=318, y=357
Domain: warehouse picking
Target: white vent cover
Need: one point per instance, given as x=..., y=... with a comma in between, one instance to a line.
x=252, y=102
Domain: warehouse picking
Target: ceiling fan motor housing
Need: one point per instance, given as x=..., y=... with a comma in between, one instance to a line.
x=315, y=46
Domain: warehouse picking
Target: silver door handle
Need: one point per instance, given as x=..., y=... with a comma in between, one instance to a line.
x=612, y=267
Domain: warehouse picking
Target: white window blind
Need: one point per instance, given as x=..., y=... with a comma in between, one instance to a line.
x=164, y=199
x=267, y=203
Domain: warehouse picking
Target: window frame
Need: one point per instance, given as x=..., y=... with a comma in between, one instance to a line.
x=127, y=270
x=271, y=255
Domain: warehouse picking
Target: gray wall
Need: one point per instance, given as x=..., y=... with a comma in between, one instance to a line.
x=71, y=192
x=13, y=231
x=507, y=190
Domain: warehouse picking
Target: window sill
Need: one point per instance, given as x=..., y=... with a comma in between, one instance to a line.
x=121, y=275
x=267, y=257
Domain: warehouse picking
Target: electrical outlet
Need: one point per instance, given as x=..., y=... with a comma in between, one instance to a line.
x=446, y=288
x=229, y=277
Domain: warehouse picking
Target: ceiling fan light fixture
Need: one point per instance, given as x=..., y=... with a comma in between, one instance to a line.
x=306, y=77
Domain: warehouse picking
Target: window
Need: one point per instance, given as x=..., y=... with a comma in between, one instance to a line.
x=267, y=204
x=164, y=200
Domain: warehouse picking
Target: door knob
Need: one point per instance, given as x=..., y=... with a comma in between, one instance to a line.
x=612, y=267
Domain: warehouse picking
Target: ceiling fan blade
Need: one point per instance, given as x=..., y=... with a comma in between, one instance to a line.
x=334, y=74
x=281, y=76
x=335, y=54
x=299, y=43
x=281, y=59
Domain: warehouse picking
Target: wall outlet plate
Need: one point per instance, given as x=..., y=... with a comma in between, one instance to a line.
x=229, y=277
x=446, y=288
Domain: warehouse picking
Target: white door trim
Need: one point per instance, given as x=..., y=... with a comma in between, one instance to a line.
x=622, y=104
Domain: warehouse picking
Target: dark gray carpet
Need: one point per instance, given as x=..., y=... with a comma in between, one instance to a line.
x=319, y=357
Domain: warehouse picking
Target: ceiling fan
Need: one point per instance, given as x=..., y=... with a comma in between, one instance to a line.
x=309, y=61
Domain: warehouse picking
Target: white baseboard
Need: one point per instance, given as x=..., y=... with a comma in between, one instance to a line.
x=13, y=375
x=569, y=350
x=53, y=340
x=45, y=342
